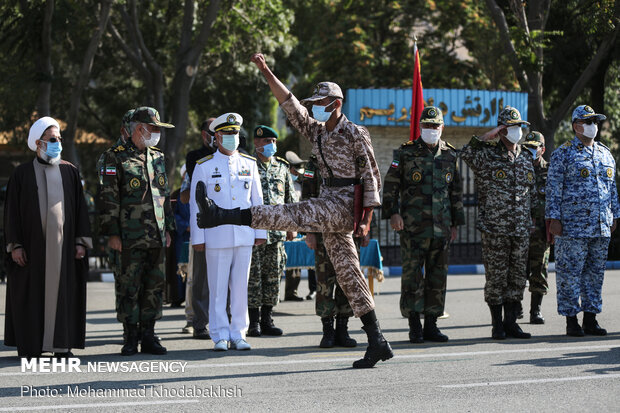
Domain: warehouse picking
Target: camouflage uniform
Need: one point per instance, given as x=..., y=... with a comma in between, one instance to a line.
x=134, y=204
x=269, y=259
x=506, y=196
x=348, y=155
x=582, y=194
x=429, y=181
x=330, y=301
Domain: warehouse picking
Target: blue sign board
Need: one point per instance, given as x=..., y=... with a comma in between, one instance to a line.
x=460, y=107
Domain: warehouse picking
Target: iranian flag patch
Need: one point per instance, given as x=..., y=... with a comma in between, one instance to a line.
x=394, y=163
x=309, y=174
x=110, y=170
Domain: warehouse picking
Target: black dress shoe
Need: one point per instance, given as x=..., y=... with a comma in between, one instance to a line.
x=202, y=334
x=64, y=355
x=311, y=295
x=293, y=298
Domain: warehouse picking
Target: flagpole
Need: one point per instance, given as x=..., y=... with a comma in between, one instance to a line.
x=417, y=98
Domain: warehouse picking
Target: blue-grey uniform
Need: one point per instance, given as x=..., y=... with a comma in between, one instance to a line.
x=581, y=193
x=232, y=182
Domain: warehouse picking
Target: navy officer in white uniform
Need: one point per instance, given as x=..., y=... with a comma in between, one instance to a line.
x=232, y=181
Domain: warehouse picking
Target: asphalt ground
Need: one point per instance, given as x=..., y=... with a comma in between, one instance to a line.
x=471, y=372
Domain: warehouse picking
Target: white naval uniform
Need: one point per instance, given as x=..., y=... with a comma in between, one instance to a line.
x=232, y=182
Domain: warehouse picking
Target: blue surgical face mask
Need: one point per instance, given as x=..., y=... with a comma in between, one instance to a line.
x=319, y=113
x=293, y=177
x=230, y=142
x=534, y=151
x=53, y=149
x=269, y=150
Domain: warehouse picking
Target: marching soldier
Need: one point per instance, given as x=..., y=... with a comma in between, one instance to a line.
x=135, y=214
x=232, y=181
x=423, y=198
x=504, y=175
x=346, y=159
x=269, y=259
x=538, y=255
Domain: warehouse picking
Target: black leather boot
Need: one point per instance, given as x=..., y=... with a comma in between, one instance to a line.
x=512, y=329
x=254, y=328
x=329, y=335
x=535, y=314
x=497, y=333
x=590, y=325
x=431, y=332
x=573, y=328
x=415, y=329
x=130, y=340
x=342, y=333
x=266, y=322
x=210, y=215
x=378, y=348
x=150, y=342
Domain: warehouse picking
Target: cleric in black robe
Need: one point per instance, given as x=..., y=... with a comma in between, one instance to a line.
x=46, y=236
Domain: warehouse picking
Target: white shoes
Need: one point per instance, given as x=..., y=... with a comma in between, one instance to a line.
x=240, y=344
x=221, y=345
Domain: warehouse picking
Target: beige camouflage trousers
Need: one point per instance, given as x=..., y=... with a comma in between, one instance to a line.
x=331, y=214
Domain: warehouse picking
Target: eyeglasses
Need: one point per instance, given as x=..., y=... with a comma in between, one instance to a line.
x=53, y=140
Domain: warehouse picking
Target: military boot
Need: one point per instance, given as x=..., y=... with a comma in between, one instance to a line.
x=290, y=287
x=378, y=347
x=150, y=342
x=130, y=339
x=415, y=329
x=342, y=333
x=512, y=329
x=590, y=325
x=497, y=333
x=535, y=314
x=266, y=322
x=431, y=332
x=573, y=328
x=254, y=329
x=329, y=335
x=210, y=215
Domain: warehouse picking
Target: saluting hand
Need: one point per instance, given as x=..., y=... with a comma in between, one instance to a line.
x=492, y=134
x=259, y=60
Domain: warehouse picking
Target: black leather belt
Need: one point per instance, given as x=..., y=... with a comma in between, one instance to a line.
x=341, y=181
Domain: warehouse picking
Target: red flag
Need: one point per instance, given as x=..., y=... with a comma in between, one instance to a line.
x=417, y=98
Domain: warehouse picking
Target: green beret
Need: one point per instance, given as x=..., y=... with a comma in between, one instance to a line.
x=263, y=131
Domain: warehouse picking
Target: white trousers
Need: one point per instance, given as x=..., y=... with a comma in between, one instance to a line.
x=228, y=268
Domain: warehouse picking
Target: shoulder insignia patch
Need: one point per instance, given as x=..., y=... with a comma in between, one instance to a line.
x=500, y=174
x=610, y=172
x=449, y=177
x=361, y=161
x=206, y=158
x=308, y=173
x=395, y=163
x=119, y=148
x=416, y=177
x=584, y=173
x=247, y=156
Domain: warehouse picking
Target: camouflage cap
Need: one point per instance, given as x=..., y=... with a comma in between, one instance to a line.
x=325, y=89
x=127, y=118
x=510, y=116
x=534, y=139
x=150, y=116
x=584, y=112
x=432, y=114
x=263, y=131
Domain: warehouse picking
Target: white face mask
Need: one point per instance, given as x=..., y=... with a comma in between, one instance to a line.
x=430, y=136
x=153, y=140
x=514, y=134
x=589, y=131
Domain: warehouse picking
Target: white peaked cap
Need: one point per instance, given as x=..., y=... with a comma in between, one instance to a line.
x=37, y=129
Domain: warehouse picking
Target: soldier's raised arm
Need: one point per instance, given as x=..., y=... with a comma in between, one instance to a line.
x=278, y=89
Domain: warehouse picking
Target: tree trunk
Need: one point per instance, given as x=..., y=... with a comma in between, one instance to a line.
x=44, y=63
x=76, y=94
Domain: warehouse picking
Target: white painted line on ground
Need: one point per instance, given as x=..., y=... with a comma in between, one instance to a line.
x=93, y=405
x=531, y=381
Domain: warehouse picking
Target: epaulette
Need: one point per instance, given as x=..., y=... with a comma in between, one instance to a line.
x=490, y=143
x=449, y=145
x=284, y=161
x=201, y=160
x=408, y=143
x=155, y=148
x=603, y=145
x=566, y=144
x=119, y=148
x=247, y=156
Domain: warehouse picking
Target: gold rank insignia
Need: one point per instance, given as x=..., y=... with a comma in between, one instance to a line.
x=530, y=177
x=417, y=176
x=449, y=177
x=134, y=183
x=584, y=173
x=500, y=174
x=161, y=180
x=610, y=172
x=217, y=188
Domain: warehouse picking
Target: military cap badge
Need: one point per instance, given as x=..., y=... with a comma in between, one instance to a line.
x=432, y=113
x=584, y=173
x=217, y=188
x=231, y=118
x=417, y=176
x=588, y=109
x=259, y=132
x=500, y=174
x=134, y=183
x=514, y=114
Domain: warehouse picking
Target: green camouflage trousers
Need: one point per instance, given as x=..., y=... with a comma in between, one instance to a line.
x=139, y=285
x=268, y=262
x=538, y=261
x=505, y=265
x=330, y=301
x=423, y=292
